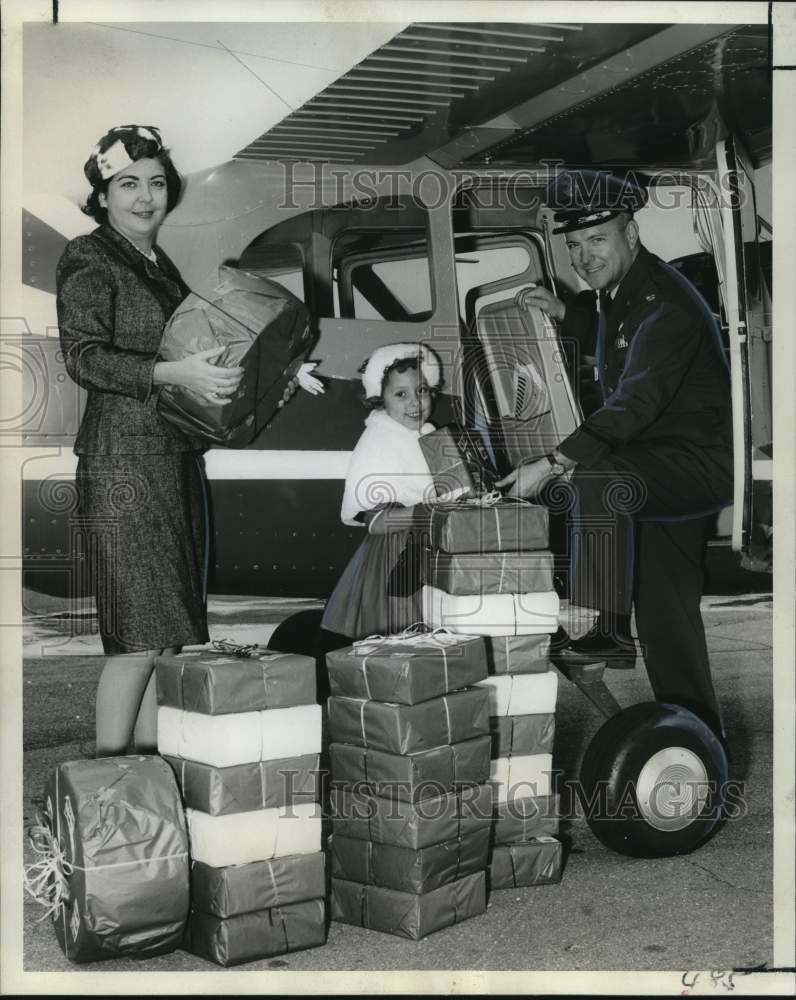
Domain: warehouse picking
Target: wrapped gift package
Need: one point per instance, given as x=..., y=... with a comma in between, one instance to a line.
x=521, y=735
x=412, y=824
x=240, y=838
x=411, y=776
x=262, y=934
x=448, y=466
x=502, y=527
x=523, y=819
x=259, y=885
x=538, y=862
x=217, y=684
x=517, y=654
x=491, y=614
x=406, y=670
x=262, y=784
x=522, y=694
x=408, y=870
x=521, y=776
x=264, y=328
x=114, y=830
x=408, y=914
x=403, y=729
x=239, y=738
x=491, y=572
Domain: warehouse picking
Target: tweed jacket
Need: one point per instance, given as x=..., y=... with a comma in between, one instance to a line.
x=662, y=372
x=112, y=306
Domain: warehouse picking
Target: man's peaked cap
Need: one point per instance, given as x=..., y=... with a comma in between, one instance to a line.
x=583, y=198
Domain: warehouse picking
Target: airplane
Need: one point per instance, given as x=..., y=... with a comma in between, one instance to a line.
x=405, y=184
x=402, y=202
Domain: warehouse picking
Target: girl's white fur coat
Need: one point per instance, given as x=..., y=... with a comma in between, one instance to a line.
x=387, y=466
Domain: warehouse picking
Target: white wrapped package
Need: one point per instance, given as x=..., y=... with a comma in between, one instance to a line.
x=522, y=694
x=239, y=738
x=521, y=776
x=491, y=614
x=241, y=838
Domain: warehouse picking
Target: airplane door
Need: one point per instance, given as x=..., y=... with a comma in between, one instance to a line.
x=748, y=304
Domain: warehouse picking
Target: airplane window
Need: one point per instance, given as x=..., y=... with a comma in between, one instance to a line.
x=393, y=289
x=493, y=267
x=481, y=265
x=392, y=284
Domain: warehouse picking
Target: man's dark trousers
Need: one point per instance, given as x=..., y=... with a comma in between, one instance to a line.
x=639, y=526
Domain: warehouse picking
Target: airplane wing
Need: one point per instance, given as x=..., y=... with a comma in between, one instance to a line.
x=495, y=94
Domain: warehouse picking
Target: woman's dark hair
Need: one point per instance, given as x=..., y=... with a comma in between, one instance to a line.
x=400, y=366
x=138, y=148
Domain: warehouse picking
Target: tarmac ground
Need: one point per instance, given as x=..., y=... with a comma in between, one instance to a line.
x=711, y=909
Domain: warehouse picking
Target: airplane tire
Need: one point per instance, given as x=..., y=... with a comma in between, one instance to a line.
x=299, y=633
x=302, y=633
x=653, y=780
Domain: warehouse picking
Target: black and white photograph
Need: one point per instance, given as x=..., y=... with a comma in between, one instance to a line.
x=397, y=575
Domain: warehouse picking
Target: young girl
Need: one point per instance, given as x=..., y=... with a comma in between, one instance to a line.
x=380, y=589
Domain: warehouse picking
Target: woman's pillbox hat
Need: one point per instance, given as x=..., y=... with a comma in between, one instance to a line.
x=110, y=155
x=583, y=198
x=384, y=357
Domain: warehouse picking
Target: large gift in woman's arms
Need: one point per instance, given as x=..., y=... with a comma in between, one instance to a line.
x=265, y=329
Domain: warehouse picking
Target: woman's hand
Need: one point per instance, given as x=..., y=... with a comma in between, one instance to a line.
x=199, y=373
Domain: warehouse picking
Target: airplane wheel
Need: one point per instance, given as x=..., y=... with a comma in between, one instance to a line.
x=298, y=634
x=653, y=780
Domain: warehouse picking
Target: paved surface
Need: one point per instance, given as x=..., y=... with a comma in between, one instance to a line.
x=711, y=909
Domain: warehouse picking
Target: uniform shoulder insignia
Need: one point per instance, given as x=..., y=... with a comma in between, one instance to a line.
x=651, y=297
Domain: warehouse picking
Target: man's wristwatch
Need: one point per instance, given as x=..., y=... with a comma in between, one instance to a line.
x=556, y=468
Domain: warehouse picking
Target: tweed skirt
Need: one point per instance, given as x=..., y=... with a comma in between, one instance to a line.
x=139, y=537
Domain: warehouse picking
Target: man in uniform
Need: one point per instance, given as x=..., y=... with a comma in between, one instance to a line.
x=654, y=461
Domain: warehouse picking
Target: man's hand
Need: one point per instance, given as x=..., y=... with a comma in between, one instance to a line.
x=527, y=480
x=538, y=296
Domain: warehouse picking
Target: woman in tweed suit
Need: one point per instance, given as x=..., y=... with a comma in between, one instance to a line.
x=142, y=514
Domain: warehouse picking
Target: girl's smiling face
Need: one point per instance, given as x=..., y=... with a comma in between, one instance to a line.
x=136, y=201
x=407, y=398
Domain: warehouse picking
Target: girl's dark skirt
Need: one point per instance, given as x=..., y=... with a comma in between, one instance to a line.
x=140, y=530
x=380, y=591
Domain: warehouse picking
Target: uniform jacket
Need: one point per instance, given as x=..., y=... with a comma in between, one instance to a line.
x=661, y=367
x=112, y=306
x=387, y=466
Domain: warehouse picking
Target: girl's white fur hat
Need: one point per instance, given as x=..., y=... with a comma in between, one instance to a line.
x=383, y=357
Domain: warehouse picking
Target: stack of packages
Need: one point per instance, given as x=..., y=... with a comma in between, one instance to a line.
x=411, y=804
x=243, y=736
x=489, y=574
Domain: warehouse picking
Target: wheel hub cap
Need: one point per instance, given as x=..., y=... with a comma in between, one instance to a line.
x=672, y=789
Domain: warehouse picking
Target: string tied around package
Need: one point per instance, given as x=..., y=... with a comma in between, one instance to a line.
x=418, y=633
x=47, y=880
x=234, y=648
x=490, y=499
